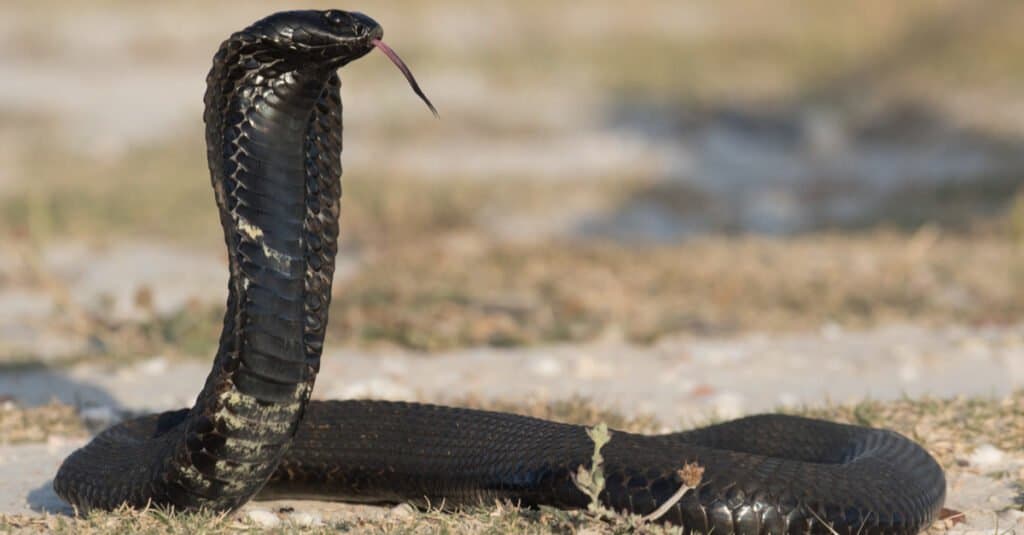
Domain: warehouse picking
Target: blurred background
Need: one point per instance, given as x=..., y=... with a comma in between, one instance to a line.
x=602, y=172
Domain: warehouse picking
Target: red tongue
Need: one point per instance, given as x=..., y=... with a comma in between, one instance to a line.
x=393, y=56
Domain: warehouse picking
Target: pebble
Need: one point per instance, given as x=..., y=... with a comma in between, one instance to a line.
x=61, y=445
x=789, y=399
x=153, y=366
x=909, y=372
x=304, y=519
x=546, y=367
x=400, y=511
x=1012, y=517
x=264, y=519
x=986, y=456
x=831, y=331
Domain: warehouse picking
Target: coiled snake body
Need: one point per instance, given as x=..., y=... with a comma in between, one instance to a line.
x=273, y=132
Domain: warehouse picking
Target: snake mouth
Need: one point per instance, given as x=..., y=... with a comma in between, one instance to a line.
x=393, y=56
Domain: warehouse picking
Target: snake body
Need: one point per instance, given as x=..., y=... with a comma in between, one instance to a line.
x=273, y=132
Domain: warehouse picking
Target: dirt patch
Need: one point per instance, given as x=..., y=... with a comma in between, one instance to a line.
x=36, y=424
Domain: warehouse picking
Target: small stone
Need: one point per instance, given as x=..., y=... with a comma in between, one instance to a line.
x=789, y=399
x=153, y=366
x=1011, y=517
x=831, y=331
x=909, y=372
x=60, y=445
x=546, y=367
x=402, y=510
x=264, y=519
x=986, y=456
x=702, y=390
x=56, y=441
x=304, y=519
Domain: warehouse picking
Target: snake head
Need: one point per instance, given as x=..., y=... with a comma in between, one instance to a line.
x=309, y=38
x=323, y=39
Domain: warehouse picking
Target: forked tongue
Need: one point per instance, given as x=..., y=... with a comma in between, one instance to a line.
x=393, y=56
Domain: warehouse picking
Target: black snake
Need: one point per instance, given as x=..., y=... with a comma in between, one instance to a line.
x=273, y=132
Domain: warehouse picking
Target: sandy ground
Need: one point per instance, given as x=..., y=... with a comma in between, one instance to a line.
x=683, y=381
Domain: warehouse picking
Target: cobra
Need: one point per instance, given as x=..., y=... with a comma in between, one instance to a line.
x=273, y=132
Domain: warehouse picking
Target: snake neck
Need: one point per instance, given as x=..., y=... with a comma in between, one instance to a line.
x=273, y=148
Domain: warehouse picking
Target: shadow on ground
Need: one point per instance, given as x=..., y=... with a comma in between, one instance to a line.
x=40, y=385
x=44, y=500
x=800, y=168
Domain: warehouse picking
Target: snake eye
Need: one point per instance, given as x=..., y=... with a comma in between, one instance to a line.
x=336, y=16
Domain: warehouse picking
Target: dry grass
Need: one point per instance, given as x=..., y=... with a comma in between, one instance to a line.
x=950, y=429
x=162, y=192
x=464, y=291
x=431, y=279
x=36, y=424
x=496, y=520
x=467, y=292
